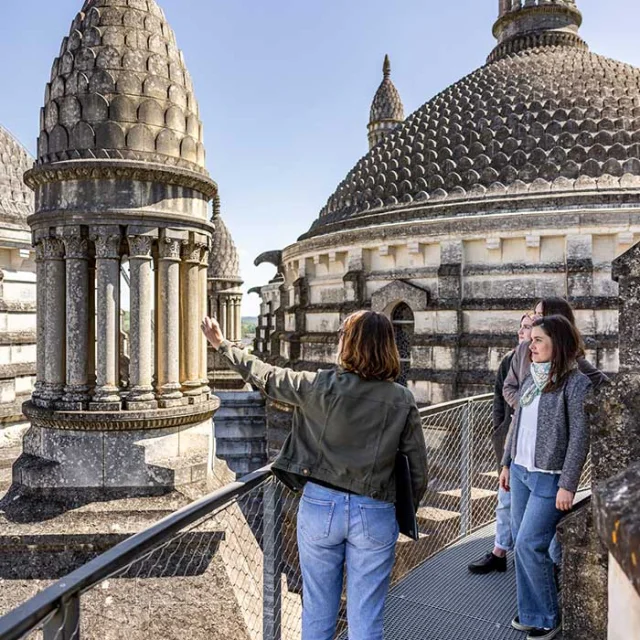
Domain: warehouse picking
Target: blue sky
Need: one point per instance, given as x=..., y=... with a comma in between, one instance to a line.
x=285, y=87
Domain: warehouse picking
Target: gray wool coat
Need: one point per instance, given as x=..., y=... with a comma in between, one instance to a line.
x=562, y=441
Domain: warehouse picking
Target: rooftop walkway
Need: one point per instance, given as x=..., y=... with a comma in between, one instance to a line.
x=441, y=600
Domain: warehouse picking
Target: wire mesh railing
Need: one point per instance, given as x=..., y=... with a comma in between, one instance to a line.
x=227, y=566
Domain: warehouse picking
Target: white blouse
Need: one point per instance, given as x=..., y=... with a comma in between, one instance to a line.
x=527, y=434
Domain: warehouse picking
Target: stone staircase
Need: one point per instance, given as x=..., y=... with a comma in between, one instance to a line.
x=240, y=433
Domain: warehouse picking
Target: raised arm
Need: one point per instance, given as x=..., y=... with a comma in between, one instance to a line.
x=283, y=385
x=412, y=444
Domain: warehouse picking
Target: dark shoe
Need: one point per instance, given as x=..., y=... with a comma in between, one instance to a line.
x=518, y=626
x=489, y=563
x=544, y=634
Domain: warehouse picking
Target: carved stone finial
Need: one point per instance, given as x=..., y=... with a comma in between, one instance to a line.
x=386, y=67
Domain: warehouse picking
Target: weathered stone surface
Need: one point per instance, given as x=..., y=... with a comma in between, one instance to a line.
x=584, y=576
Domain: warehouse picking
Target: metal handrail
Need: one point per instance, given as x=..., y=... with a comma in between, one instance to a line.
x=452, y=404
x=15, y=624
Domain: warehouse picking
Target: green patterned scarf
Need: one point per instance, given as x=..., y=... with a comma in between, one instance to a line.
x=540, y=374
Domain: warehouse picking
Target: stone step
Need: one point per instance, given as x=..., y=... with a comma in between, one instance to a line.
x=483, y=502
x=486, y=480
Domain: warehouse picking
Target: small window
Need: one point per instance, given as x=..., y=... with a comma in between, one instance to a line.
x=403, y=328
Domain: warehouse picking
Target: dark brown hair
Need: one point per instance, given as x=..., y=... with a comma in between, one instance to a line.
x=368, y=346
x=554, y=306
x=557, y=307
x=566, y=341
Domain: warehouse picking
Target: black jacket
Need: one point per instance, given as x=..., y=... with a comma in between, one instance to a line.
x=502, y=412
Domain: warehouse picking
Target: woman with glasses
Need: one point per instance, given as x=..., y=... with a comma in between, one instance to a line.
x=348, y=425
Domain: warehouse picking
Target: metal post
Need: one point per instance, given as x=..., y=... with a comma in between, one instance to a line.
x=65, y=622
x=466, y=433
x=272, y=536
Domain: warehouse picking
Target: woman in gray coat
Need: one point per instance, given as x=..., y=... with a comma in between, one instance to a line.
x=544, y=455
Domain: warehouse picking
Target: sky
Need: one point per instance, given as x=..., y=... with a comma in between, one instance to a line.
x=285, y=87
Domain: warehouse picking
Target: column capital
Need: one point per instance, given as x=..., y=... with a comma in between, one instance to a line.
x=140, y=246
x=107, y=245
x=39, y=252
x=192, y=252
x=204, y=256
x=76, y=247
x=53, y=248
x=169, y=249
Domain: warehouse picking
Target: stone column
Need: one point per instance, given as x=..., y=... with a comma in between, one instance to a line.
x=141, y=395
x=76, y=395
x=190, y=299
x=54, y=290
x=41, y=310
x=168, y=328
x=223, y=315
x=202, y=275
x=107, y=397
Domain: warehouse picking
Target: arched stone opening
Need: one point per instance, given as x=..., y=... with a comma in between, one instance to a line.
x=403, y=322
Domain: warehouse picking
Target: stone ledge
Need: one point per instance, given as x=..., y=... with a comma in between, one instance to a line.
x=120, y=420
x=618, y=520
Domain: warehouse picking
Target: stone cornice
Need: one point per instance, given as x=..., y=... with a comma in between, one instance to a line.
x=468, y=218
x=124, y=217
x=120, y=420
x=119, y=170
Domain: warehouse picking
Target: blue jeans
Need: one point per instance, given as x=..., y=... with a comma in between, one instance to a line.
x=504, y=537
x=335, y=530
x=534, y=518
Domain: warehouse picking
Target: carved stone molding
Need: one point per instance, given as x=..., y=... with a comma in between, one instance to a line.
x=192, y=252
x=169, y=249
x=107, y=246
x=76, y=248
x=119, y=170
x=53, y=248
x=140, y=246
x=122, y=420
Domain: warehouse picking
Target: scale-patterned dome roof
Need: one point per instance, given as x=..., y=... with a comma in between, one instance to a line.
x=120, y=90
x=16, y=200
x=548, y=118
x=224, y=263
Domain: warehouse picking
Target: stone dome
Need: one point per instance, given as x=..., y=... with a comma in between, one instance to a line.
x=545, y=116
x=224, y=263
x=120, y=90
x=387, y=104
x=16, y=200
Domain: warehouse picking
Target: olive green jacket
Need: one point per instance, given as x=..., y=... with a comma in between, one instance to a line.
x=346, y=430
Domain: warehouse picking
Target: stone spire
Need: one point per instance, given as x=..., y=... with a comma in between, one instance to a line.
x=529, y=24
x=387, y=111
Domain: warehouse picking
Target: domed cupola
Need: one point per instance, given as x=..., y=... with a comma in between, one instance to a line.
x=545, y=121
x=387, y=111
x=120, y=92
x=16, y=200
x=528, y=24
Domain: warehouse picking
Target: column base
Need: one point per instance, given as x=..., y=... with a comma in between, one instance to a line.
x=141, y=399
x=105, y=406
x=49, y=396
x=166, y=403
x=76, y=398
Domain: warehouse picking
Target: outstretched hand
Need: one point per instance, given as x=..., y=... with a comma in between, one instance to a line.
x=212, y=331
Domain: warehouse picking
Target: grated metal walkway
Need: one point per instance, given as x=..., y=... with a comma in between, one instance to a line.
x=441, y=600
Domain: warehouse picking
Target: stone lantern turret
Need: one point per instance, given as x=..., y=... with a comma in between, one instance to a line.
x=120, y=184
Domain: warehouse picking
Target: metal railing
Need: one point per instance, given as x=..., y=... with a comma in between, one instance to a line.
x=227, y=565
